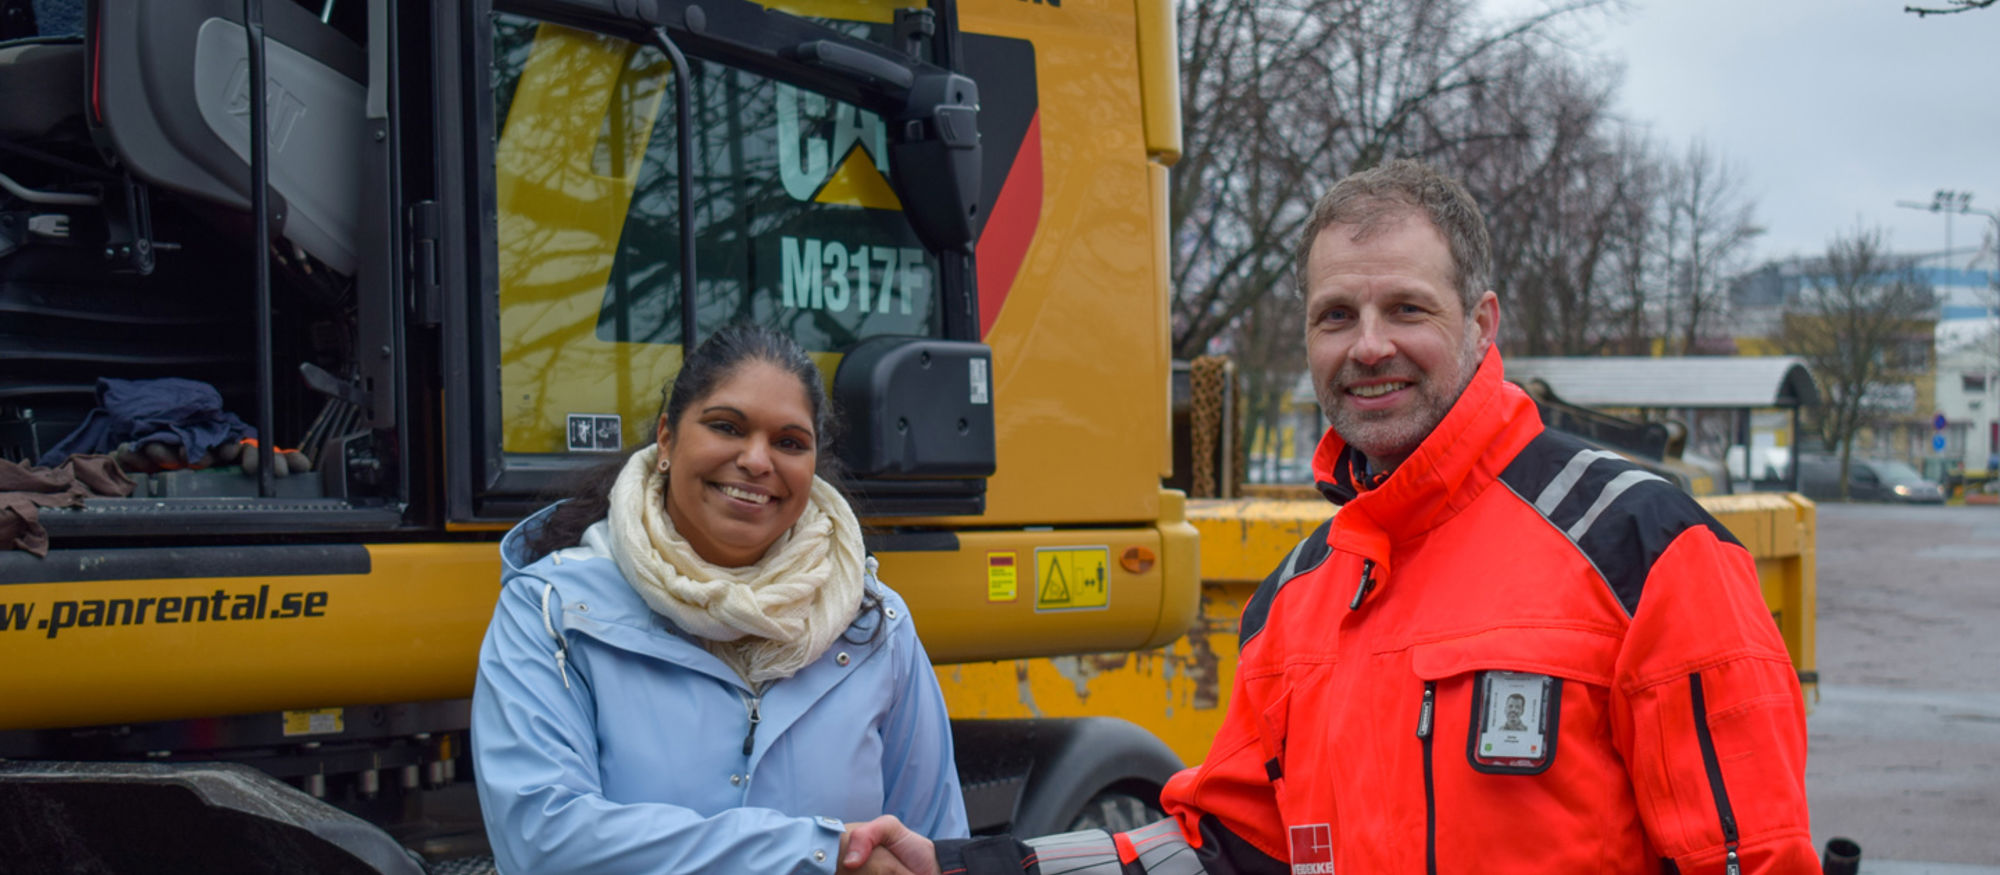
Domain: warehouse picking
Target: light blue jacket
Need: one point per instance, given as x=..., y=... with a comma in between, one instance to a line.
x=606, y=741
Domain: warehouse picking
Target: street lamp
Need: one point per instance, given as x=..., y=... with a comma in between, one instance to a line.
x=1948, y=201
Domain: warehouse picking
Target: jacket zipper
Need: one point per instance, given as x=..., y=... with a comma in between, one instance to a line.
x=1710, y=762
x=1430, y=789
x=1367, y=584
x=750, y=738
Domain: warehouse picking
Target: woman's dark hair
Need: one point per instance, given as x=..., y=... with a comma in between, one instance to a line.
x=718, y=357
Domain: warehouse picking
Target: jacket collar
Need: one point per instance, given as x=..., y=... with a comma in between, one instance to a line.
x=1489, y=424
x=584, y=593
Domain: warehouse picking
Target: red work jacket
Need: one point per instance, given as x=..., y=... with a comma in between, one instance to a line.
x=1371, y=729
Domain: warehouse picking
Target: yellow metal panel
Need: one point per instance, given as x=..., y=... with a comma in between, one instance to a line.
x=1159, y=79
x=1080, y=360
x=1243, y=539
x=1764, y=522
x=1180, y=561
x=1163, y=323
x=407, y=631
x=1176, y=692
x=962, y=617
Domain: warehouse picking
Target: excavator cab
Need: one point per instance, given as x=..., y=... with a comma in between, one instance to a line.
x=484, y=262
x=126, y=250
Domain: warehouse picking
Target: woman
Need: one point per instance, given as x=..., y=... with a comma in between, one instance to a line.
x=692, y=667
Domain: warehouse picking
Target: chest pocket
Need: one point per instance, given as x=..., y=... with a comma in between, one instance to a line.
x=1271, y=725
x=1513, y=694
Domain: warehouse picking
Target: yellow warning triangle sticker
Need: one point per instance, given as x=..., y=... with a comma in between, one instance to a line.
x=1056, y=590
x=858, y=183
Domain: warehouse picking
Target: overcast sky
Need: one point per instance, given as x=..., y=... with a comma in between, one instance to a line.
x=1830, y=111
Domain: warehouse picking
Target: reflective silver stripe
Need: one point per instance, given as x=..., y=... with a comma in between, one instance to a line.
x=1163, y=850
x=1612, y=490
x=1089, y=852
x=1558, y=489
x=1292, y=561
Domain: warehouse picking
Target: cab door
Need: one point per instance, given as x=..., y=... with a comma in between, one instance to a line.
x=566, y=321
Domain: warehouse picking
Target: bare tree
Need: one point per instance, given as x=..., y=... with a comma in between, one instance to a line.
x=1565, y=196
x=1852, y=316
x=1280, y=98
x=1253, y=131
x=1634, y=226
x=1708, y=226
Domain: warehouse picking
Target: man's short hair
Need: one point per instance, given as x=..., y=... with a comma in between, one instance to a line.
x=1376, y=198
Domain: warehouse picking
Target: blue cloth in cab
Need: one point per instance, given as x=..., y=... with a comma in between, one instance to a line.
x=186, y=413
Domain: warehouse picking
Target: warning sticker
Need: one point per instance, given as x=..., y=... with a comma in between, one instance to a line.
x=594, y=433
x=978, y=381
x=1000, y=578
x=1071, y=578
x=320, y=722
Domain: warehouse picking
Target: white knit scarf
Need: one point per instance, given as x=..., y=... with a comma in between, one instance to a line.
x=765, y=620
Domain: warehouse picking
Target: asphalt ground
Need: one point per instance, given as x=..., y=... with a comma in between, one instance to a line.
x=1905, y=737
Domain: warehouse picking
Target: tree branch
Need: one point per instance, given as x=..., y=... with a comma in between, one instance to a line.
x=1955, y=7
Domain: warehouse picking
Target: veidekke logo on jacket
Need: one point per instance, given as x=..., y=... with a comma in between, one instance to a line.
x=1312, y=849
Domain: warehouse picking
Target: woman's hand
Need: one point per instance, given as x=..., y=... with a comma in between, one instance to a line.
x=884, y=846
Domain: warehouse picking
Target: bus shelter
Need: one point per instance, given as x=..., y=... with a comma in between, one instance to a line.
x=1731, y=389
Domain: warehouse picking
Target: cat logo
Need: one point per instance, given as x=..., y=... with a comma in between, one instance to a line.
x=831, y=152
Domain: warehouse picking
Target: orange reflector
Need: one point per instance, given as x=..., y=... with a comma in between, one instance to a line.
x=1137, y=560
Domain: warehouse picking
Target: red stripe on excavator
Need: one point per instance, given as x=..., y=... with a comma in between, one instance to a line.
x=1003, y=245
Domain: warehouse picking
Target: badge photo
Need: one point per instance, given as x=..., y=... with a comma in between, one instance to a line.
x=1513, y=725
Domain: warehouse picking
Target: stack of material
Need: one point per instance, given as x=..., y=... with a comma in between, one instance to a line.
x=25, y=490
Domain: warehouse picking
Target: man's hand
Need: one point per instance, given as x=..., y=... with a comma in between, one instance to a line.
x=887, y=846
x=881, y=862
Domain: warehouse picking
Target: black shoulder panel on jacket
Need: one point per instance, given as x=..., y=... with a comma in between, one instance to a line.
x=1225, y=853
x=1303, y=558
x=1621, y=516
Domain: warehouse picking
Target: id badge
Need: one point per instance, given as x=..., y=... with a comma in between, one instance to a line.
x=1513, y=722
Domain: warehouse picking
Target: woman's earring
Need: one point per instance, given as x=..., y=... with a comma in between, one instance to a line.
x=663, y=464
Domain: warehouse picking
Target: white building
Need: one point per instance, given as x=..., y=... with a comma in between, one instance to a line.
x=1968, y=392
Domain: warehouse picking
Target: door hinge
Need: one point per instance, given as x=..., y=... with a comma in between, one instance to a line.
x=421, y=245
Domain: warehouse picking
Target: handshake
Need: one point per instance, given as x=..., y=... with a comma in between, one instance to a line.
x=884, y=846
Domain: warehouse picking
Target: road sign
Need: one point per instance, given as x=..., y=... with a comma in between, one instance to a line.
x=1937, y=422
x=1937, y=442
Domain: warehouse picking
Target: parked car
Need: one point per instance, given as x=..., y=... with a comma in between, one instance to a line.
x=1867, y=480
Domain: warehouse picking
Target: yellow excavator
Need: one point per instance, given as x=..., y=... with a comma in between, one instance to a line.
x=439, y=258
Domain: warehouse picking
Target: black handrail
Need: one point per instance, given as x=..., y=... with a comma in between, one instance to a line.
x=684, y=147
x=260, y=178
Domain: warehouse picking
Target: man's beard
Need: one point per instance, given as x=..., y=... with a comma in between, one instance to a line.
x=1391, y=436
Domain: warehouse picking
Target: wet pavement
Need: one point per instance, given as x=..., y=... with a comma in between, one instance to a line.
x=1905, y=737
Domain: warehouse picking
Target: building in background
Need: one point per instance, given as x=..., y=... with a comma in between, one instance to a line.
x=1920, y=386
x=1968, y=394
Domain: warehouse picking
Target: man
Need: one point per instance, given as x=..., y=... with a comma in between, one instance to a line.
x=1517, y=705
x=1475, y=556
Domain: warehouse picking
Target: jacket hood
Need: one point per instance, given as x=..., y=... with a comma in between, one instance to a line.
x=514, y=554
x=1487, y=426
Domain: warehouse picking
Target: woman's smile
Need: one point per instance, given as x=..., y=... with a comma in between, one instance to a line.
x=740, y=464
